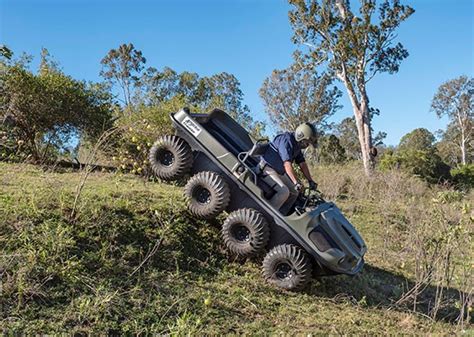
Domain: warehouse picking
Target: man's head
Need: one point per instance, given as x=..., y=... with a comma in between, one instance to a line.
x=306, y=135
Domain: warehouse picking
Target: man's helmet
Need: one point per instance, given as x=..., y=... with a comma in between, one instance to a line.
x=306, y=134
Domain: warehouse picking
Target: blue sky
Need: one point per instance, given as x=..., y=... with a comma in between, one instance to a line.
x=248, y=38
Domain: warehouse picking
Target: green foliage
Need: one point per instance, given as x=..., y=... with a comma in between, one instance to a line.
x=463, y=176
x=47, y=109
x=330, y=150
x=11, y=146
x=125, y=67
x=419, y=139
x=422, y=163
x=334, y=29
x=204, y=93
x=138, y=132
x=417, y=155
x=298, y=94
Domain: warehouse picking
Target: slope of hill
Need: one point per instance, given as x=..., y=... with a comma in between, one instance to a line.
x=125, y=256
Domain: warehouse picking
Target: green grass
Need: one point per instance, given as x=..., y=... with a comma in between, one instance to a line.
x=132, y=259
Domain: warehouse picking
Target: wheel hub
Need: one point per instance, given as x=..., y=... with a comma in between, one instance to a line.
x=241, y=233
x=165, y=157
x=202, y=195
x=284, y=271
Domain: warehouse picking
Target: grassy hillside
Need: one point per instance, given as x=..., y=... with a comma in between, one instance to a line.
x=129, y=258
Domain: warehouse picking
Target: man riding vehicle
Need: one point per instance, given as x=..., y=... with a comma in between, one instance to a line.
x=277, y=164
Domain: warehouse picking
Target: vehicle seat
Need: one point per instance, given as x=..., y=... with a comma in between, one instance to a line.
x=252, y=157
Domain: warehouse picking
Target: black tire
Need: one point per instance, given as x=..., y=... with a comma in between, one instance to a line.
x=287, y=267
x=208, y=194
x=170, y=157
x=245, y=232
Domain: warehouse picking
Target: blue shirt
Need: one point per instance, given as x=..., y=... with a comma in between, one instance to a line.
x=283, y=148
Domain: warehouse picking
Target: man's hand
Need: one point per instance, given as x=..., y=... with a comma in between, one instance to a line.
x=298, y=187
x=312, y=185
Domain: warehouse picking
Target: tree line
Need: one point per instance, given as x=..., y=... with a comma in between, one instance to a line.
x=46, y=113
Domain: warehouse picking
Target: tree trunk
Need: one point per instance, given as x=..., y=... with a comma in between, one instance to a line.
x=463, y=148
x=365, y=138
x=462, y=119
x=362, y=118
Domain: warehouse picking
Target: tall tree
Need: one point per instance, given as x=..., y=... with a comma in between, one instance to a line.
x=449, y=145
x=353, y=47
x=346, y=130
x=298, y=94
x=454, y=99
x=220, y=90
x=123, y=67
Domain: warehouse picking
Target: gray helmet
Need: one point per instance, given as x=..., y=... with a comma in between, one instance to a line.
x=306, y=133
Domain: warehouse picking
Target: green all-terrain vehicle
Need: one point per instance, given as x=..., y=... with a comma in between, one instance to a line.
x=223, y=161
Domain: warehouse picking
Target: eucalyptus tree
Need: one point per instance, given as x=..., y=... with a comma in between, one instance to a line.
x=454, y=99
x=297, y=94
x=123, y=67
x=354, y=45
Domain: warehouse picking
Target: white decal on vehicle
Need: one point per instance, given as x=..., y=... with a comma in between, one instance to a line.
x=191, y=126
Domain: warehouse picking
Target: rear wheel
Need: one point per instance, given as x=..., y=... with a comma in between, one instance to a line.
x=245, y=232
x=170, y=157
x=287, y=267
x=208, y=194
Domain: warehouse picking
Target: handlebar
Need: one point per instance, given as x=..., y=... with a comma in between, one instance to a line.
x=311, y=195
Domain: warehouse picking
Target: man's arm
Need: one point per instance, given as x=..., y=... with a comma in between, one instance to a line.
x=290, y=171
x=305, y=170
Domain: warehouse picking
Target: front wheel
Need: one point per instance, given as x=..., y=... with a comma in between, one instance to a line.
x=287, y=267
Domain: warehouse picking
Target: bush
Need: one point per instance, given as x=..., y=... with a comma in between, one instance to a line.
x=464, y=176
x=48, y=109
x=330, y=150
x=139, y=130
x=425, y=164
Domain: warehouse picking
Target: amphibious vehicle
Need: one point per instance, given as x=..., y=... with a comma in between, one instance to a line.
x=312, y=237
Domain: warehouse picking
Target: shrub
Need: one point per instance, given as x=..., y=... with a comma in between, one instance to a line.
x=464, y=176
x=139, y=130
x=49, y=109
x=330, y=150
x=425, y=164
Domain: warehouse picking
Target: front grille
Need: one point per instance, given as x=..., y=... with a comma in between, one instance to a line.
x=356, y=242
x=322, y=241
